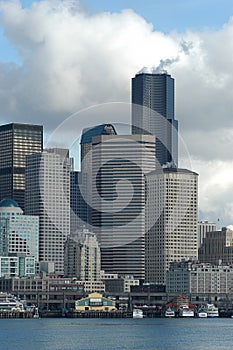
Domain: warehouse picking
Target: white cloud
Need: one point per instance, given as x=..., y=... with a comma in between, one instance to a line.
x=71, y=60
x=215, y=190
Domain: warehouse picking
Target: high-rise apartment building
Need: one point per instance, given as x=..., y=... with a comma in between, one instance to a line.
x=153, y=113
x=82, y=256
x=171, y=220
x=17, y=141
x=119, y=166
x=47, y=195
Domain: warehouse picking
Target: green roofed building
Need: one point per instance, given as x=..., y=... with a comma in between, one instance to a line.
x=95, y=302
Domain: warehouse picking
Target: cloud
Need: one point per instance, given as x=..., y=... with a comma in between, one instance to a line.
x=215, y=190
x=70, y=59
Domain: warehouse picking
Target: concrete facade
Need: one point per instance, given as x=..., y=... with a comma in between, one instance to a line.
x=47, y=195
x=171, y=220
x=196, y=278
x=217, y=246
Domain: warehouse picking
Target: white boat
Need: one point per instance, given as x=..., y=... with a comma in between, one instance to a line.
x=185, y=311
x=137, y=313
x=212, y=311
x=9, y=302
x=202, y=314
x=36, y=313
x=169, y=313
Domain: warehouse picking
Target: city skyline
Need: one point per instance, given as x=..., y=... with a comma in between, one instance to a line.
x=37, y=89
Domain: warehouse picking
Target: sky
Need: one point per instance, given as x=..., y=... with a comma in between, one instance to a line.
x=60, y=57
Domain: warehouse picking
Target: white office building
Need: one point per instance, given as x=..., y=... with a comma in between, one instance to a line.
x=171, y=220
x=47, y=195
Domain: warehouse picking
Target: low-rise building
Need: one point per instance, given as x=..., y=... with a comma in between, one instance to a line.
x=17, y=266
x=48, y=292
x=92, y=286
x=95, y=302
x=199, y=278
x=115, y=283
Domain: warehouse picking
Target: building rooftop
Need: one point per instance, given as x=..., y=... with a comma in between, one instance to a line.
x=103, y=129
x=8, y=203
x=171, y=170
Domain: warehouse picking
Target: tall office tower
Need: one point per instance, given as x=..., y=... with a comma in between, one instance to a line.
x=17, y=141
x=171, y=220
x=82, y=256
x=85, y=177
x=119, y=165
x=47, y=195
x=203, y=228
x=153, y=113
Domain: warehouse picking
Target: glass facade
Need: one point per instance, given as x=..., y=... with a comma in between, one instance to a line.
x=4, y=236
x=19, y=234
x=118, y=215
x=17, y=141
x=153, y=113
x=14, y=266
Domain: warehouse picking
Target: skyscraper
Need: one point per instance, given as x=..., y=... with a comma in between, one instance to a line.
x=119, y=165
x=48, y=196
x=153, y=112
x=84, y=178
x=171, y=220
x=17, y=141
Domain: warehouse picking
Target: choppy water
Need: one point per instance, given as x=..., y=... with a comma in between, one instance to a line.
x=122, y=334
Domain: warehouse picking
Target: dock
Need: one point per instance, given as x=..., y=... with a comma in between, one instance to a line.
x=15, y=314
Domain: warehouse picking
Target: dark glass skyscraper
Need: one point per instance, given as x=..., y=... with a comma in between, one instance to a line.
x=85, y=176
x=17, y=141
x=153, y=113
x=119, y=166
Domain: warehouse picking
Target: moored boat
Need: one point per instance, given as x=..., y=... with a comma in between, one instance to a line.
x=202, y=314
x=212, y=311
x=169, y=313
x=185, y=311
x=137, y=313
x=9, y=302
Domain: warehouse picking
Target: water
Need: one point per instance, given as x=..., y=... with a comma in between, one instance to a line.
x=122, y=334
